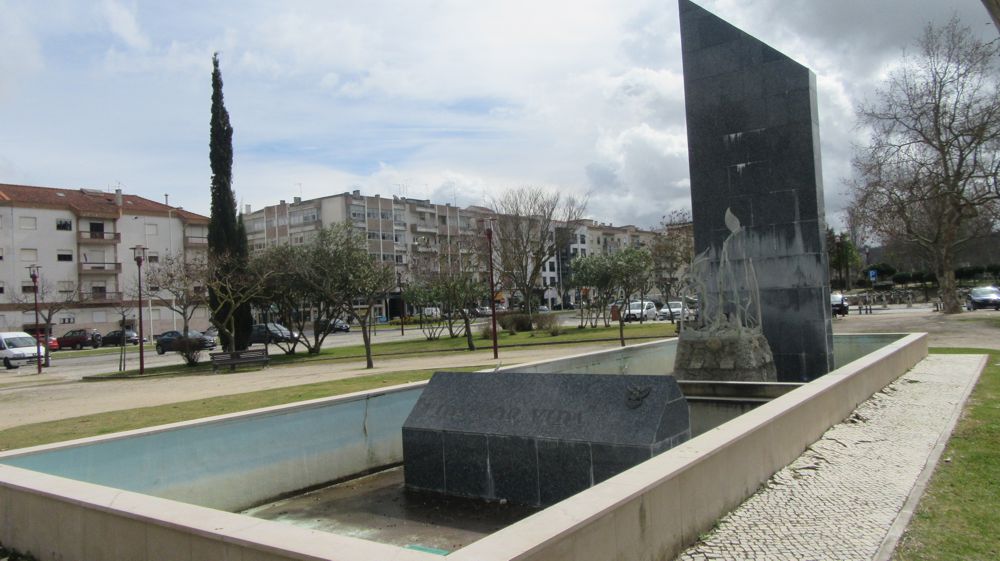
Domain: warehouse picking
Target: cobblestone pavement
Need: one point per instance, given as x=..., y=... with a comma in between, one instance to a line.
x=839, y=499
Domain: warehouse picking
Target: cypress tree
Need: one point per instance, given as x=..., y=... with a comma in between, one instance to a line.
x=226, y=234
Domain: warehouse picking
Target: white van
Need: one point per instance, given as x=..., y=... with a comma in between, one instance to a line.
x=17, y=348
x=432, y=312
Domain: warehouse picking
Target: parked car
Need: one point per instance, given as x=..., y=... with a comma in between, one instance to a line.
x=839, y=304
x=334, y=326
x=675, y=311
x=983, y=297
x=642, y=310
x=268, y=333
x=51, y=342
x=120, y=337
x=17, y=349
x=543, y=309
x=168, y=341
x=483, y=311
x=80, y=338
x=432, y=312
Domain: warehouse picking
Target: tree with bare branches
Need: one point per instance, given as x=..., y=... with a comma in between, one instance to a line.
x=672, y=251
x=929, y=174
x=184, y=281
x=527, y=235
x=234, y=282
x=51, y=301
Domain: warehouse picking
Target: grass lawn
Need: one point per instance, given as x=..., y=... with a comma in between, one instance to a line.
x=115, y=421
x=958, y=515
x=569, y=336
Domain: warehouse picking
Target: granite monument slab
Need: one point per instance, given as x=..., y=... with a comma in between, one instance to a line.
x=753, y=148
x=535, y=439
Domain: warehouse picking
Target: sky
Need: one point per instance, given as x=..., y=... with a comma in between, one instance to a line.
x=454, y=101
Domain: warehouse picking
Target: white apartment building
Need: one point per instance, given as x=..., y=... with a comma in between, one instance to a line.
x=81, y=240
x=397, y=228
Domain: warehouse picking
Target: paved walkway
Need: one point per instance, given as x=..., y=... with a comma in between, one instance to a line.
x=842, y=499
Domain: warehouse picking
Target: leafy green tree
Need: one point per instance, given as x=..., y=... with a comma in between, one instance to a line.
x=594, y=275
x=227, y=239
x=843, y=256
x=631, y=269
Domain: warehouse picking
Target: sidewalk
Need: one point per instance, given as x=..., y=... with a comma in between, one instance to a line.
x=850, y=495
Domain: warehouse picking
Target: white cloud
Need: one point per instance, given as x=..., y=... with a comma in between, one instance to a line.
x=123, y=23
x=443, y=99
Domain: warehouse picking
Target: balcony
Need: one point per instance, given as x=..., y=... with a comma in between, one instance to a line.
x=195, y=241
x=99, y=268
x=424, y=227
x=100, y=238
x=100, y=297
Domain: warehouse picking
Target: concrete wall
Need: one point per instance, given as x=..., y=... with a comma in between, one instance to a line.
x=657, y=357
x=233, y=462
x=651, y=511
x=657, y=508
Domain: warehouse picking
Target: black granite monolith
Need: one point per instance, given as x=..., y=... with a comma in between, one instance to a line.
x=753, y=147
x=535, y=439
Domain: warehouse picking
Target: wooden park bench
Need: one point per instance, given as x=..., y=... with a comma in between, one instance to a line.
x=236, y=358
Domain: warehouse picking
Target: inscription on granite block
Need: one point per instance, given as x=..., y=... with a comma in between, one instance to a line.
x=753, y=147
x=535, y=439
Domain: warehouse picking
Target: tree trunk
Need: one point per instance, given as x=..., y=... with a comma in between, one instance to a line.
x=367, y=337
x=468, y=333
x=621, y=329
x=950, y=303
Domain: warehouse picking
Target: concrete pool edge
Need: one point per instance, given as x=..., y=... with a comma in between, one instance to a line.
x=658, y=507
x=651, y=510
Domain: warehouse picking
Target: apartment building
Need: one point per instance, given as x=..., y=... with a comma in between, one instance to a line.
x=398, y=229
x=81, y=240
x=587, y=237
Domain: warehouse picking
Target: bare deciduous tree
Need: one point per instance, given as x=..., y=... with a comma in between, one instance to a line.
x=234, y=281
x=929, y=173
x=672, y=251
x=51, y=301
x=184, y=281
x=527, y=236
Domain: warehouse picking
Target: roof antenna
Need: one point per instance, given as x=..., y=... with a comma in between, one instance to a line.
x=166, y=199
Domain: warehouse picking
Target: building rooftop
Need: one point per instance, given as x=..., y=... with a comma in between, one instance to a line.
x=90, y=202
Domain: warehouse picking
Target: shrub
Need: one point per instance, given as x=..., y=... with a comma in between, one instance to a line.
x=514, y=323
x=486, y=332
x=548, y=322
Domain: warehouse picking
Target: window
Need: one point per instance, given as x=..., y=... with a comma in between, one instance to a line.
x=152, y=257
x=27, y=288
x=1, y=287
x=28, y=223
x=66, y=287
x=67, y=319
x=552, y=266
x=583, y=239
x=64, y=255
x=152, y=229
x=29, y=255
x=372, y=235
x=64, y=224
x=1, y=254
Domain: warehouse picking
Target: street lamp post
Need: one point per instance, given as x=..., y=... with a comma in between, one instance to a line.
x=140, y=254
x=33, y=272
x=402, y=304
x=493, y=291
